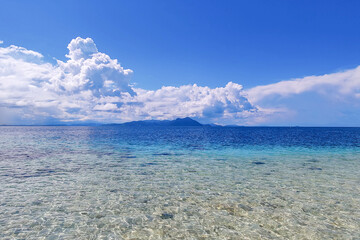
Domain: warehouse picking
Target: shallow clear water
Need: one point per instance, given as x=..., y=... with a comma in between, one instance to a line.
x=115, y=182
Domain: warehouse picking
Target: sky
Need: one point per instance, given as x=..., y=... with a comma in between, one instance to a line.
x=278, y=63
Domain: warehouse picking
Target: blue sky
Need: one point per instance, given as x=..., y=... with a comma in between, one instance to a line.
x=204, y=42
x=208, y=43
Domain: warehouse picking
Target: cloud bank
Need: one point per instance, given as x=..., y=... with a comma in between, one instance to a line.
x=90, y=86
x=325, y=100
x=342, y=84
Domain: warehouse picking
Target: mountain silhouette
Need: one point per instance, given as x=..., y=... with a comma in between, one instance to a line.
x=177, y=122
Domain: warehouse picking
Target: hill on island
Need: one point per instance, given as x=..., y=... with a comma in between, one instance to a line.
x=177, y=122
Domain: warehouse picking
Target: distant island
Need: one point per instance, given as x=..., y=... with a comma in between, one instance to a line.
x=177, y=122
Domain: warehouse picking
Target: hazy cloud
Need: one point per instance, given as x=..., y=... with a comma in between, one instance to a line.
x=326, y=100
x=346, y=83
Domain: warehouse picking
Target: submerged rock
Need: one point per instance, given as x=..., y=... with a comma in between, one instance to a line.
x=244, y=207
x=167, y=216
x=162, y=154
x=148, y=164
x=313, y=160
x=258, y=163
x=37, y=203
x=128, y=156
x=315, y=168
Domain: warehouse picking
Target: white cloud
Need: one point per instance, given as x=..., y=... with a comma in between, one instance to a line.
x=92, y=86
x=106, y=107
x=326, y=100
x=88, y=69
x=81, y=48
x=1, y=42
x=339, y=84
x=20, y=53
x=220, y=104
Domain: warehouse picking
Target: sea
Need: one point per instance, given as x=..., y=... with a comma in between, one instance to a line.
x=118, y=182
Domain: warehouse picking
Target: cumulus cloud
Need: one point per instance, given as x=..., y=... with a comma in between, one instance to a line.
x=219, y=104
x=81, y=48
x=90, y=70
x=1, y=42
x=91, y=86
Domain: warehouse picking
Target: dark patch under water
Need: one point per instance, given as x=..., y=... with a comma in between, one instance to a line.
x=148, y=164
x=161, y=154
x=315, y=168
x=258, y=163
x=167, y=216
x=128, y=156
x=313, y=160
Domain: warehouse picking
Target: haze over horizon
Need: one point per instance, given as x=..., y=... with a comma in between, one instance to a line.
x=208, y=74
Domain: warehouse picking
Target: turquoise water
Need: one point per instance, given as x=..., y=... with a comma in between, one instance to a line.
x=114, y=182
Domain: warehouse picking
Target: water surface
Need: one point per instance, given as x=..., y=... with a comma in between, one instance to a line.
x=113, y=182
